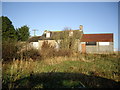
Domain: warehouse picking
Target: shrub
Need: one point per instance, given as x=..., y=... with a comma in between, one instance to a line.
x=47, y=50
x=64, y=52
x=16, y=50
x=9, y=50
x=31, y=53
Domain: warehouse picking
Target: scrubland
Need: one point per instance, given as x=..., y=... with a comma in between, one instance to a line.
x=60, y=69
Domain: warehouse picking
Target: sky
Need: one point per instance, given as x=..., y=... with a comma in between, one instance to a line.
x=96, y=17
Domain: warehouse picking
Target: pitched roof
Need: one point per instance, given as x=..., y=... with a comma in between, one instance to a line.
x=55, y=34
x=34, y=39
x=108, y=37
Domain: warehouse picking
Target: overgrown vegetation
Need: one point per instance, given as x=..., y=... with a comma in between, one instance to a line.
x=48, y=50
x=9, y=50
x=79, y=70
x=10, y=39
x=51, y=67
x=68, y=39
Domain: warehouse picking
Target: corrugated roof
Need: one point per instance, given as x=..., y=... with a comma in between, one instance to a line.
x=108, y=37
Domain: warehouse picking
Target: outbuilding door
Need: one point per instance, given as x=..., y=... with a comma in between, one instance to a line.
x=83, y=48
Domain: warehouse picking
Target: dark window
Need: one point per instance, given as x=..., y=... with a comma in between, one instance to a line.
x=90, y=43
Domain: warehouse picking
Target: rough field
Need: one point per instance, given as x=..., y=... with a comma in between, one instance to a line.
x=78, y=71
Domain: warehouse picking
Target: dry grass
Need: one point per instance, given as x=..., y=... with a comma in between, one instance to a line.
x=105, y=66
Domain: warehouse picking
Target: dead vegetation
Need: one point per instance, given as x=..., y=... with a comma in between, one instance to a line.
x=50, y=61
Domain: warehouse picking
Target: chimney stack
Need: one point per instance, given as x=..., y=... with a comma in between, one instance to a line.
x=81, y=27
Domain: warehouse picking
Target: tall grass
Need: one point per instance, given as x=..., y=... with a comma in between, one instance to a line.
x=51, y=60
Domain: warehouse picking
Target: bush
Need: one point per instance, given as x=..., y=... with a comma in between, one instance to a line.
x=64, y=52
x=9, y=50
x=47, y=50
x=32, y=53
x=16, y=50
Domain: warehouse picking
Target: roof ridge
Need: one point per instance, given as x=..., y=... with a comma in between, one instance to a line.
x=65, y=30
x=101, y=33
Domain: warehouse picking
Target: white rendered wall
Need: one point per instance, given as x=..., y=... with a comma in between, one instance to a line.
x=35, y=45
x=104, y=43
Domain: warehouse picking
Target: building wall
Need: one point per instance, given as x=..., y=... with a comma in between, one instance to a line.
x=106, y=48
x=52, y=42
x=80, y=46
x=98, y=48
x=34, y=45
x=57, y=44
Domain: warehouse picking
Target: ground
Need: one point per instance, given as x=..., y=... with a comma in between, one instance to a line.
x=78, y=71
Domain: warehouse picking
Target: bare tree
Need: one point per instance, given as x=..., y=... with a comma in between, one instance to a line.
x=66, y=29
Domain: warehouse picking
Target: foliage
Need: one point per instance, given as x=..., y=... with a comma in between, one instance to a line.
x=23, y=33
x=64, y=44
x=65, y=41
x=8, y=31
x=10, y=34
x=9, y=50
x=69, y=42
x=31, y=53
x=47, y=50
x=64, y=52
